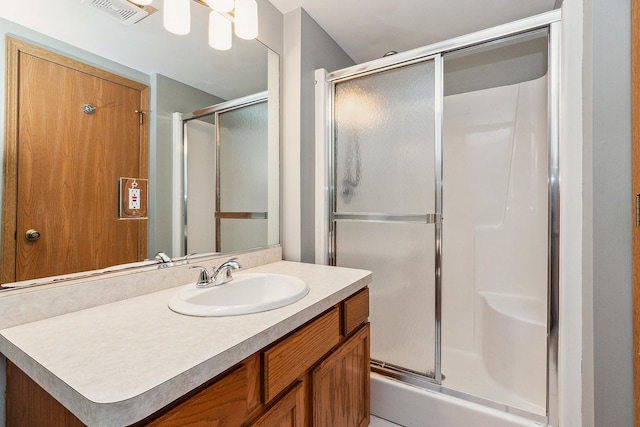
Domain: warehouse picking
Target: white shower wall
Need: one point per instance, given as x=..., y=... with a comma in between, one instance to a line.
x=495, y=239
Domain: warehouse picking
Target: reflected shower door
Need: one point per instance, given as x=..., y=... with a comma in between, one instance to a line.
x=200, y=140
x=241, y=213
x=385, y=215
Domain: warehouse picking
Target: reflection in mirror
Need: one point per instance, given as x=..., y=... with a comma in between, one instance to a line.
x=241, y=222
x=66, y=145
x=182, y=72
x=232, y=136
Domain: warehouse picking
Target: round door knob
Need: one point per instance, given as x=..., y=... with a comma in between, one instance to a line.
x=32, y=234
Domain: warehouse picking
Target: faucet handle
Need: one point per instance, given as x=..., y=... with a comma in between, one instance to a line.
x=232, y=263
x=225, y=271
x=204, y=279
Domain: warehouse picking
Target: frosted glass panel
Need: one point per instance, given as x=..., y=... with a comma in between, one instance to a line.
x=401, y=257
x=240, y=234
x=243, y=141
x=201, y=182
x=384, y=141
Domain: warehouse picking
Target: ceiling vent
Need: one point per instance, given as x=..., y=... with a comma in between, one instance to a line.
x=120, y=10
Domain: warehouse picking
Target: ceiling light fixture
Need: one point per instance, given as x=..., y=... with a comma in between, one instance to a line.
x=220, y=33
x=246, y=15
x=225, y=14
x=224, y=6
x=177, y=16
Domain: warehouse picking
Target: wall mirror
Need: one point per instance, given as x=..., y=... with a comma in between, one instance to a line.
x=183, y=74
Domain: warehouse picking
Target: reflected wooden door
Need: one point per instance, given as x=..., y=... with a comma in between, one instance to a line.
x=78, y=130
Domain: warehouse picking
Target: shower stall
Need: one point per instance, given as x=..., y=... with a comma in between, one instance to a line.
x=440, y=172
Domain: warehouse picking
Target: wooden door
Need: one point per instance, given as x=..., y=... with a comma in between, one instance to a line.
x=62, y=164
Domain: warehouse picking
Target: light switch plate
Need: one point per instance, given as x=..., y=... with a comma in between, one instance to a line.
x=132, y=198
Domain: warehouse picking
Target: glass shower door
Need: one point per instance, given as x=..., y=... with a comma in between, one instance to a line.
x=385, y=212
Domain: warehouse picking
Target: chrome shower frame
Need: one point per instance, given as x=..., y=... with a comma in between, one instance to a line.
x=325, y=196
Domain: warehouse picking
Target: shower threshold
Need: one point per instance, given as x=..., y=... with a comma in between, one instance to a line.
x=426, y=381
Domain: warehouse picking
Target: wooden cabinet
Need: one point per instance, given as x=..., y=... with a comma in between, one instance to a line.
x=288, y=360
x=318, y=375
x=30, y=405
x=224, y=403
x=355, y=311
x=340, y=385
x=288, y=411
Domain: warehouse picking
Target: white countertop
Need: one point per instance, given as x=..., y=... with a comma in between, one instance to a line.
x=115, y=364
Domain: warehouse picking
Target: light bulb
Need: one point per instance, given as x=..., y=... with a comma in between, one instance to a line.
x=177, y=16
x=223, y=6
x=219, y=31
x=141, y=2
x=246, y=19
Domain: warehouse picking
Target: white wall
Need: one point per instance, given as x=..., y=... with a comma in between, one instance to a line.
x=307, y=47
x=571, y=374
x=607, y=215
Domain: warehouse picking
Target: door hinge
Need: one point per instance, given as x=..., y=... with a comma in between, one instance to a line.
x=637, y=209
x=141, y=114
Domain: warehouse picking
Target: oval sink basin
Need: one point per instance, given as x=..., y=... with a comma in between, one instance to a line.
x=246, y=293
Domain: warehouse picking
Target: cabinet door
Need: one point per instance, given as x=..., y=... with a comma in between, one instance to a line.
x=289, y=411
x=340, y=385
x=223, y=403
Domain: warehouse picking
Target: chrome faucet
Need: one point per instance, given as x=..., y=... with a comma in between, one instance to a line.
x=204, y=279
x=219, y=276
x=225, y=271
x=163, y=259
x=185, y=259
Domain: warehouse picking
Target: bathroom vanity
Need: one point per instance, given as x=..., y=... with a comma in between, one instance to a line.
x=135, y=362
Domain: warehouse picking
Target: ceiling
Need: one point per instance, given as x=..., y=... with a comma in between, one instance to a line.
x=367, y=29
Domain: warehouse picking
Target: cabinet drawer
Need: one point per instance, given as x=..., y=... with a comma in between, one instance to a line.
x=292, y=357
x=356, y=311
